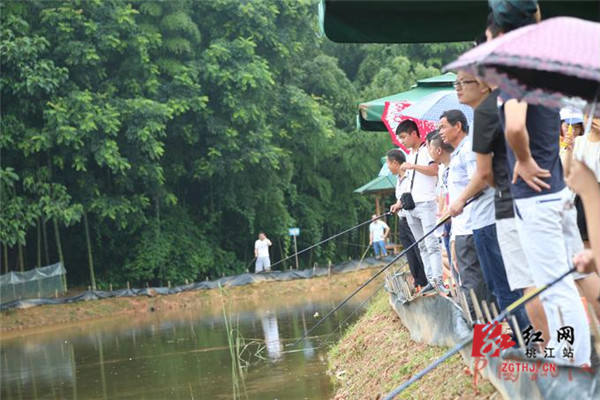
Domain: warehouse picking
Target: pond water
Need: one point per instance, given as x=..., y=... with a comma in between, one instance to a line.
x=183, y=355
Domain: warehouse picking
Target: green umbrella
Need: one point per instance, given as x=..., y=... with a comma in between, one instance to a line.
x=369, y=115
x=379, y=185
x=384, y=183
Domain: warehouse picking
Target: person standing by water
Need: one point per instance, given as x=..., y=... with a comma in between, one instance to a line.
x=261, y=252
x=379, y=231
x=421, y=217
x=395, y=158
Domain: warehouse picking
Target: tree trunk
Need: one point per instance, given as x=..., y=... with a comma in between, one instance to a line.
x=60, y=252
x=21, y=261
x=162, y=266
x=89, y=250
x=282, y=253
x=45, y=235
x=39, y=244
x=5, y=252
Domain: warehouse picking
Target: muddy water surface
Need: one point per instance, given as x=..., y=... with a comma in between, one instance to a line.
x=179, y=355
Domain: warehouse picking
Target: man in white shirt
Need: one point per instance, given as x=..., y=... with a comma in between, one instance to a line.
x=422, y=175
x=261, y=252
x=379, y=231
x=453, y=129
x=441, y=152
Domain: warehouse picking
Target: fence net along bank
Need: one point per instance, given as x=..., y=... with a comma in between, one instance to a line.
x=35, y=283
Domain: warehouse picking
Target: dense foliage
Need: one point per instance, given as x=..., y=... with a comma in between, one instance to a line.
x=149, y=141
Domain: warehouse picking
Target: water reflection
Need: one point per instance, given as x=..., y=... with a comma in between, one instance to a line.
x=271, y=333
x=183, y=355
x=308, y=349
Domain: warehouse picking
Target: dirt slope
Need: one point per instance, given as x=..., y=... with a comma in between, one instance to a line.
x=376, y=355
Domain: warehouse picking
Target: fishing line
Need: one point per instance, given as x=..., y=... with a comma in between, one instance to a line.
x=332, y=333
x=361, y=305
x=341, y=324
x=355, y=244
x=330, y=238
x=396, y=258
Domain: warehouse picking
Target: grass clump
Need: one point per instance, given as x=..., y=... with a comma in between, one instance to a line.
x=376, y=355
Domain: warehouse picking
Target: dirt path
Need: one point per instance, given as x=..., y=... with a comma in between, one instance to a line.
x=376, y=355
x=19, y=321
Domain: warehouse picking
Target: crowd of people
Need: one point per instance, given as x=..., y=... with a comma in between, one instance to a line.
x=521, y=216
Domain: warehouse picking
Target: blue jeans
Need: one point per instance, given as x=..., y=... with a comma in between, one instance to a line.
x=379, y=248
x=446, y=240
x=494, y=272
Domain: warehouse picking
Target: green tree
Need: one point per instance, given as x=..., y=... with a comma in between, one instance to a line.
x=158, y=137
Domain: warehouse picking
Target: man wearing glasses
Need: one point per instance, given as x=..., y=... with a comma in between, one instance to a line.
x=453, y=128
x=484, y=211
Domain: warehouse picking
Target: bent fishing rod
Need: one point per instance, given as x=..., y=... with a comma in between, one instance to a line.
x=361, y=305
x=365, y=301
x=332, y=237
x=518, y=303
x=371, y=279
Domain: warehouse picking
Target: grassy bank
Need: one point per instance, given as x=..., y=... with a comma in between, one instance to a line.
x=19, y=321
x=376, y=355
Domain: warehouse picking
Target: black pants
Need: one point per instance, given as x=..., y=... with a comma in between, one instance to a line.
x=414, y=258
x=471, y=275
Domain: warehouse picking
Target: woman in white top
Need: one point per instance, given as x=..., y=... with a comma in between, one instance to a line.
x=587, y=149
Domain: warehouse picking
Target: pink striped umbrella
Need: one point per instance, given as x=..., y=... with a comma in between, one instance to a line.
x=392, y=116
x=541, y=63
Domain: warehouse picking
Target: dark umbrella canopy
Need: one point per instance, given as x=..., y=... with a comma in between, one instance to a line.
x=418, y=21
x=541, y=63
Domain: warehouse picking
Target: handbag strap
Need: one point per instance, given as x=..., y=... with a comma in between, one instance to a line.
x=412, y=177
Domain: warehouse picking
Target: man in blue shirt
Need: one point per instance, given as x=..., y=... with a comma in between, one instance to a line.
x=546, y=220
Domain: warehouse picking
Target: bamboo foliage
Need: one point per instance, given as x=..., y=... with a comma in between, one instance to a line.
x=204, y=121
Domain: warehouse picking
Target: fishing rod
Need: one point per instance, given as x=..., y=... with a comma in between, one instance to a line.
x=363, y=256
x=250, y=263
x=523, y=300
x=332, y=237
x=361, y=305
x=382, y=284
x=396, y=258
